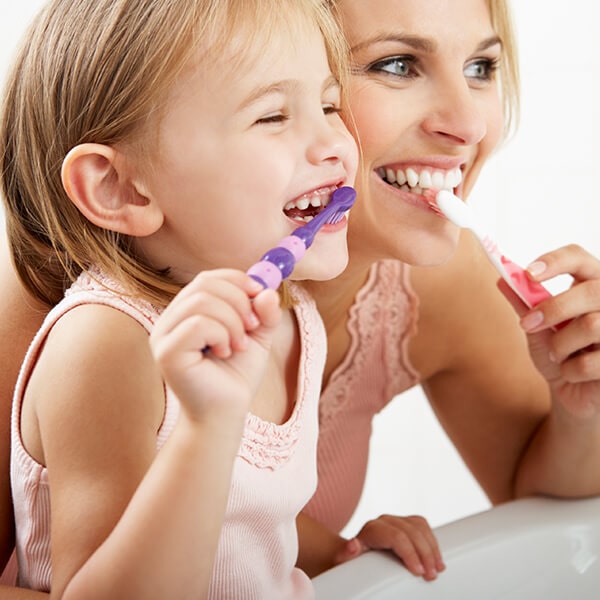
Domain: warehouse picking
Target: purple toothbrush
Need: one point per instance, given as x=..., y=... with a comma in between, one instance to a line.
x=278, y=263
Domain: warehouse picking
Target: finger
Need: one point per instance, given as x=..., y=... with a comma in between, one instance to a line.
x=571, y=259
x=210, y=308
x=351, y=549
x=583, y=299
x=426, y=546
x=410, y=538
x=180, y=348
x=231, y=286
x=579, y=336
x=267, y=308
x=583, y=366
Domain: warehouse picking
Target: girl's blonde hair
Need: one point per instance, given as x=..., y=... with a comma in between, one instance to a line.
x=98, y=71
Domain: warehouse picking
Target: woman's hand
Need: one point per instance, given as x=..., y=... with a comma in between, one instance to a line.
x=410, y=538
x=564, y=331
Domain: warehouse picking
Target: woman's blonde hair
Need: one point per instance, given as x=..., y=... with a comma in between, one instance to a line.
x=98, y=71
x=502, y=23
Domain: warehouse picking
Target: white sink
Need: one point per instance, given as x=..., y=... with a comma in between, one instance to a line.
x=529, y=549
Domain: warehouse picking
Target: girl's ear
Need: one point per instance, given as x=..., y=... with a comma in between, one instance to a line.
x=96, y=181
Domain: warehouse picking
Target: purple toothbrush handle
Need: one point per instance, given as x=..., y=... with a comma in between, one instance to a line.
x=278, y=263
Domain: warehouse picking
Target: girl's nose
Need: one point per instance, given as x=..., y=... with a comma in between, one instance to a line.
x=332, y=142
x=456, y=116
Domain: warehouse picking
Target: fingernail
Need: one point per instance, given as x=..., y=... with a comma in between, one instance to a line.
x=255, y=287
x=537, y=268
x=252, y=321
x=354, y=546
x=532, y=320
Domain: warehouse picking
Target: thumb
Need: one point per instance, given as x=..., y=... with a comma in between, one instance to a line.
x=351, y=549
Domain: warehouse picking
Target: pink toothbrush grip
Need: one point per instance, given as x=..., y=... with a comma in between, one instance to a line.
x=531, y=292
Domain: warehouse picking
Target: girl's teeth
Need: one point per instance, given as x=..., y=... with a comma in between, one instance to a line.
x=315, y=200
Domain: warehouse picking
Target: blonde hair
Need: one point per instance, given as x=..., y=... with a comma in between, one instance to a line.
x=502, y=22
x=98, y=71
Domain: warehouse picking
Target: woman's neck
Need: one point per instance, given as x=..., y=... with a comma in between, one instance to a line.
x=334, y=299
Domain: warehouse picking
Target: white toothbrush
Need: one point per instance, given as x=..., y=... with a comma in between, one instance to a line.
x=454, y=209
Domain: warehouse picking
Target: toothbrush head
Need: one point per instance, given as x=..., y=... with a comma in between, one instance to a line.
x=278, y=263
x=341, y=201
x=454, y=209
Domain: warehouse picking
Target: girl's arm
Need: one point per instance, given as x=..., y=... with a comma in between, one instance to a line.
x=128, y=521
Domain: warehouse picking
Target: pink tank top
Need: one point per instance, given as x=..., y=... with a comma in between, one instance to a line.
x=376, y=368
x=274, y=473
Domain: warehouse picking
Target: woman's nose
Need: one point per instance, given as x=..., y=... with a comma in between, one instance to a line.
x=456, y=116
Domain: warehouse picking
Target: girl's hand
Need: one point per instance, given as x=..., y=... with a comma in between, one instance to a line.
x=410, y=538
x=564, y=331
x=213, y=340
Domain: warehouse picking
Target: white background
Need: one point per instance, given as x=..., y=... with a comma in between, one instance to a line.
x=538, y=192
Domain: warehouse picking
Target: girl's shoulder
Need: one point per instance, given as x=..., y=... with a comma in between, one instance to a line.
x=90, y=364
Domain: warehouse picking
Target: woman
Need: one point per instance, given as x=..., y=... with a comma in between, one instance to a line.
x=437, y=106
x=427, y=111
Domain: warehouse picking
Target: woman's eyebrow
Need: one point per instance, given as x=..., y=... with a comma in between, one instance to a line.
x=417, y=42
x=414, y=41
x=489, y=42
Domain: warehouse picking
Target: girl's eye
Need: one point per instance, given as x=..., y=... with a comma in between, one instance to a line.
x=273, y=118
x=398, y=66
x=331, y=109
x=482, y=69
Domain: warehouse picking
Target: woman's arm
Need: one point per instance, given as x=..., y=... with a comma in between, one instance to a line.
x=21, y=317
x=503, y=416
x=13, y=593
x=409, y=538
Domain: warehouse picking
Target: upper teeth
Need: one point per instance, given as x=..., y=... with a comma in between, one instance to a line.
x=410, y=180
x=315, y=199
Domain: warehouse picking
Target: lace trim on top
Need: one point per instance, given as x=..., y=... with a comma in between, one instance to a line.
x=381, y=323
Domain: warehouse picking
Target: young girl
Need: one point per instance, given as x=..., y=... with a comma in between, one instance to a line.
x=151, y=153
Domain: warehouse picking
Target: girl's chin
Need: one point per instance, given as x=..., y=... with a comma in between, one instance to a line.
x=322, y=268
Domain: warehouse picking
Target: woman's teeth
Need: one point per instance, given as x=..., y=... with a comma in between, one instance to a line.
x=410, y=181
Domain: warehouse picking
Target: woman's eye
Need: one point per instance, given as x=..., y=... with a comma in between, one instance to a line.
x=399, y=66
x=482, y=69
